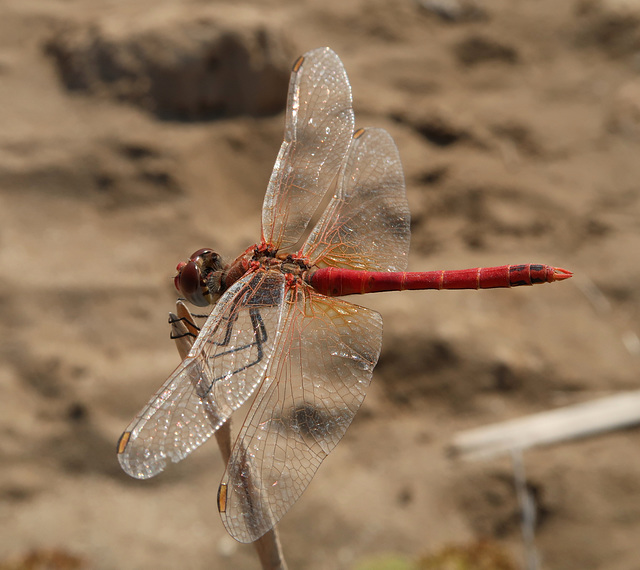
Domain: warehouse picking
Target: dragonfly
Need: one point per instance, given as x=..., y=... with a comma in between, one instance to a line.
x=279, y=332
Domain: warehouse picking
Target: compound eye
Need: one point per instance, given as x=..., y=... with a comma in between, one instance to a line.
x=201, y=252
x=188, y=279
x=188, y=283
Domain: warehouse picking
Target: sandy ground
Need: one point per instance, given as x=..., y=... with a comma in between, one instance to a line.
x=135, y=133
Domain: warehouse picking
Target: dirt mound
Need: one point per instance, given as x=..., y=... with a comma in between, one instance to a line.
x=209, y=64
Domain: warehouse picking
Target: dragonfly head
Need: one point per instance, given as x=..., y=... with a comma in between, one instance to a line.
x=196, y=279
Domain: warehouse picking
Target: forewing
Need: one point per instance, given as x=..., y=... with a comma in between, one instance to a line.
x=312, y=390
x=366, y=224
x=226, y=363
x=318, y=130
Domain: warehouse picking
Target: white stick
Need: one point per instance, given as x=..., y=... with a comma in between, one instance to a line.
x=563, y=424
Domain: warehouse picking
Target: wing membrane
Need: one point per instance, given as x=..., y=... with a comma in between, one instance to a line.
x=311, y=392
x=366, y=224
x=318, y=129
x=226, y=363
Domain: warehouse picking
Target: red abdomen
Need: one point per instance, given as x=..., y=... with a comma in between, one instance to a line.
x=335, y=282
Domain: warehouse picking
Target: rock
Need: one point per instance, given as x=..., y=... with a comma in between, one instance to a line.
x=454, y=10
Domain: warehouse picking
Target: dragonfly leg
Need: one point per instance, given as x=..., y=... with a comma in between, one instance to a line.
x=190, y=324
x=259, y=338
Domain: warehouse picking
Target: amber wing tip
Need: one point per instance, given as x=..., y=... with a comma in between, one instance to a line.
x=123, y=441
x=559, y=274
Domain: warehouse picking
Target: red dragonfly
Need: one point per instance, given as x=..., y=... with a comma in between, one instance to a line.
x=277, y=331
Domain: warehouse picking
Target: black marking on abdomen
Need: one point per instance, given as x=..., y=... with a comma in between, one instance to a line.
x=538, y=274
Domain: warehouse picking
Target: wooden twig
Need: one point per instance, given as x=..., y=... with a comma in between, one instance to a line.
x=571, y=422
x=184, y=331
x=526, y=500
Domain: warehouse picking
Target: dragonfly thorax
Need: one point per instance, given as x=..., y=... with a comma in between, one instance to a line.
x=265, y=256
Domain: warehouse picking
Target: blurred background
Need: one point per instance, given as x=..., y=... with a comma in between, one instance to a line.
x=133, y=133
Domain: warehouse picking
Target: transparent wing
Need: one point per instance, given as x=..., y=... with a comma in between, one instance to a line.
x=226, y=363
x=318, y=129
x=366, y=224
x=311, y=392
